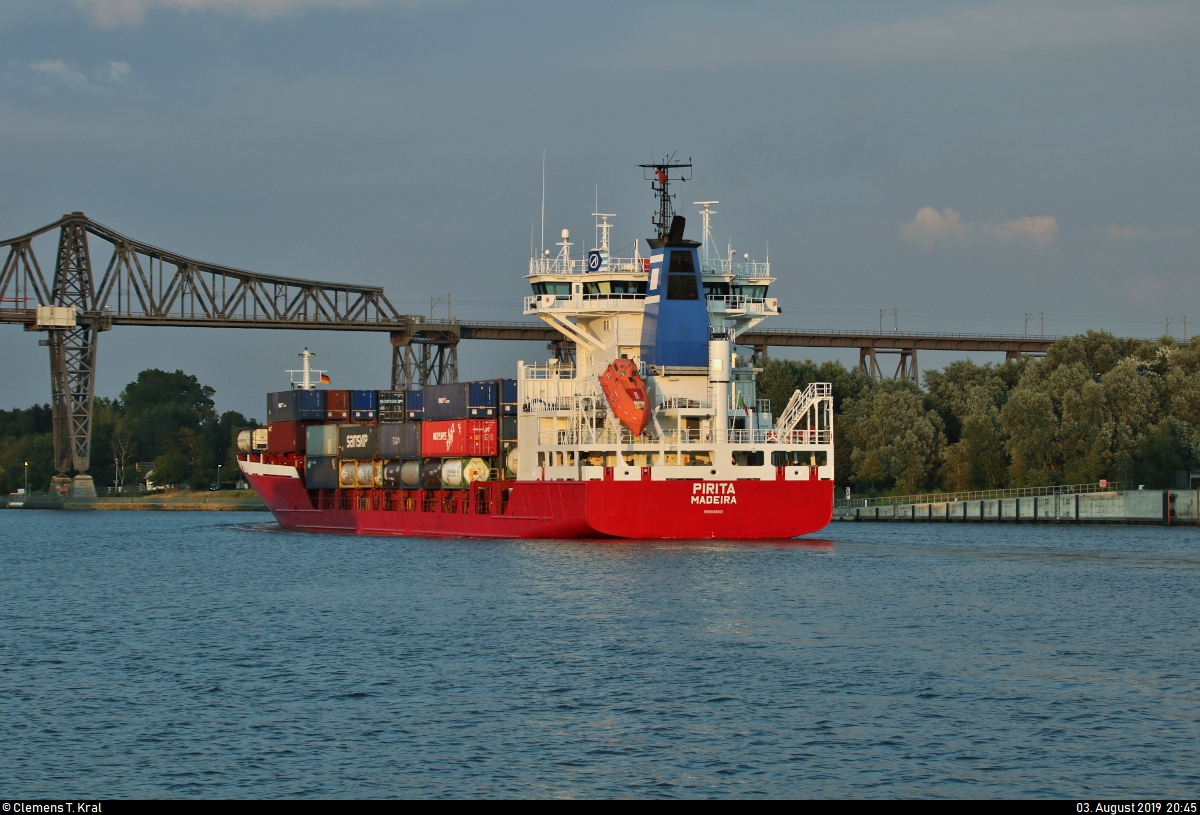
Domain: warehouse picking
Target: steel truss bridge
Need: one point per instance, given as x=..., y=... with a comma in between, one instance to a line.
x=147, y=286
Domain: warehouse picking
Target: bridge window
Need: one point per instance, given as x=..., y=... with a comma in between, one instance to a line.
x=716, y=289
x=561, y=289
x=753, y=292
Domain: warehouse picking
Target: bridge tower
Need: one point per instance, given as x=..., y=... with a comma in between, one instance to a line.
x=425, y=354
x=73, y=356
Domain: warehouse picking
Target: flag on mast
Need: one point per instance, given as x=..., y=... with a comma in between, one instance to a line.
x=325, y=380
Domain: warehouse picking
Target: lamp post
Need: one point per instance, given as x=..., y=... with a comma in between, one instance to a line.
x=218, y=476
x=26, y=479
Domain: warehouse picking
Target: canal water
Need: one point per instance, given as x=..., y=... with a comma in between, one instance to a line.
x=163, y=654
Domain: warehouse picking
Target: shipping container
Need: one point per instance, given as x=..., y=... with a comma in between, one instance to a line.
x=337, y=405
x=459, y=437
x=508, y=430
x=431, y=474
x=363, y=405
x=285, y=437
x=321, y=472
x=413, y=405
x=295, y=406
x=507, y=391
x=391, y=406
x=410, y=474
x=402, y=475
x=396, y=440
x=245, y=440
x=321, y=440
x=356, y=441
x=259, y=439
x=452, y=474
x=461, y=400
x=508, y=409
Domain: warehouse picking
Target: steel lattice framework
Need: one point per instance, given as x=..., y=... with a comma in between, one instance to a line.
x=145, y=285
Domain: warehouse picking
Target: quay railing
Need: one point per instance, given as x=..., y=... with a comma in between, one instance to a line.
x=983, y=495
x=558, y=265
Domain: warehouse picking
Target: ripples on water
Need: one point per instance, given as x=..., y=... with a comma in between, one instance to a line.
x=212, y=654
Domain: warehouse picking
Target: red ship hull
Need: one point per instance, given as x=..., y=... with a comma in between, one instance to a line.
x=687, y=510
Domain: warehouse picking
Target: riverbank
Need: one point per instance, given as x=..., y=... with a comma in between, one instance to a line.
x=180, y=501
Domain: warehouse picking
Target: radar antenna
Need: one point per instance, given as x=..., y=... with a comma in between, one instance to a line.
x=660, y=177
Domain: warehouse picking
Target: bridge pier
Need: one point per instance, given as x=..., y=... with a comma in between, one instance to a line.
x=906, y=367
x=425, y=354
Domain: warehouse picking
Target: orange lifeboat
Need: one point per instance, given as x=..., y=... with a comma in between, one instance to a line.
x=626, y=394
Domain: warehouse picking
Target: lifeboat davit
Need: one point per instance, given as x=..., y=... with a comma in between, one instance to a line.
x=626, y=394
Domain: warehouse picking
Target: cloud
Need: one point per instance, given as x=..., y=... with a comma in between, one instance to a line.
x=946, y=228
x=118, y=72
x=1036, y=229
x=58, y=70
x=63, y=75
x=113, y=13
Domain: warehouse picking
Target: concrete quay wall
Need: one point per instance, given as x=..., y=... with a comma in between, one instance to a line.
x=1130, y=507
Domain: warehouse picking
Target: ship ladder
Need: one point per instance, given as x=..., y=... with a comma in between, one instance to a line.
x=800, y=404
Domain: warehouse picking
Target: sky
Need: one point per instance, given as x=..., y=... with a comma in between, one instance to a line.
x=965, y=164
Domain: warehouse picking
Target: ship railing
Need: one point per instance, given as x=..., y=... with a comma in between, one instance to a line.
x=614, y=296
x=542, y=404
x=792, y=437
x=540, y=371
x=719, y=266
x=986, y=495
x=587, y=302
x=683, y=403
x=564, y=266
x=585, y=437
x=739, y=302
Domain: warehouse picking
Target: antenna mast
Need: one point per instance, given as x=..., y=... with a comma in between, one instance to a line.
x=707, y=214
x=660, y=177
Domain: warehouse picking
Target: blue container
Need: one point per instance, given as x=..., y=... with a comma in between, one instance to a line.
x=461, y=400
x=481, y=394
x=363, y=404
x=508, y=391
x=413, y=405
x=364, y=400
x=311, y=406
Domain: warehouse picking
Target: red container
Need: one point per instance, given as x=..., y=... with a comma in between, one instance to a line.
x=337, y=405
x=286, y=437
x=458, y=437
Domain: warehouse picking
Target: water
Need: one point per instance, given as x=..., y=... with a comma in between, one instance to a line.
x=212, y=654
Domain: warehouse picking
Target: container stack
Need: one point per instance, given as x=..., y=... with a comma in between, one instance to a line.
x=442, y=437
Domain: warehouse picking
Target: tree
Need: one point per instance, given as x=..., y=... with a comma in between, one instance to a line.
x=896, y=442
x=124, y=452
x=977, y=460
x=169, y=471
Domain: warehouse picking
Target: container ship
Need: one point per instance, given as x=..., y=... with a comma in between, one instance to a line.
x=653, y=430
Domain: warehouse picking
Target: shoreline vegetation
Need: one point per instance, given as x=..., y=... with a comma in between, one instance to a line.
x=1095, y=407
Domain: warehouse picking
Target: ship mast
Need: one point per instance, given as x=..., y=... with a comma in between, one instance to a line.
x=660, y=177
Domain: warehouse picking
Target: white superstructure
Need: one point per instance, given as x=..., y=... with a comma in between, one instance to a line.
x=707, y=423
